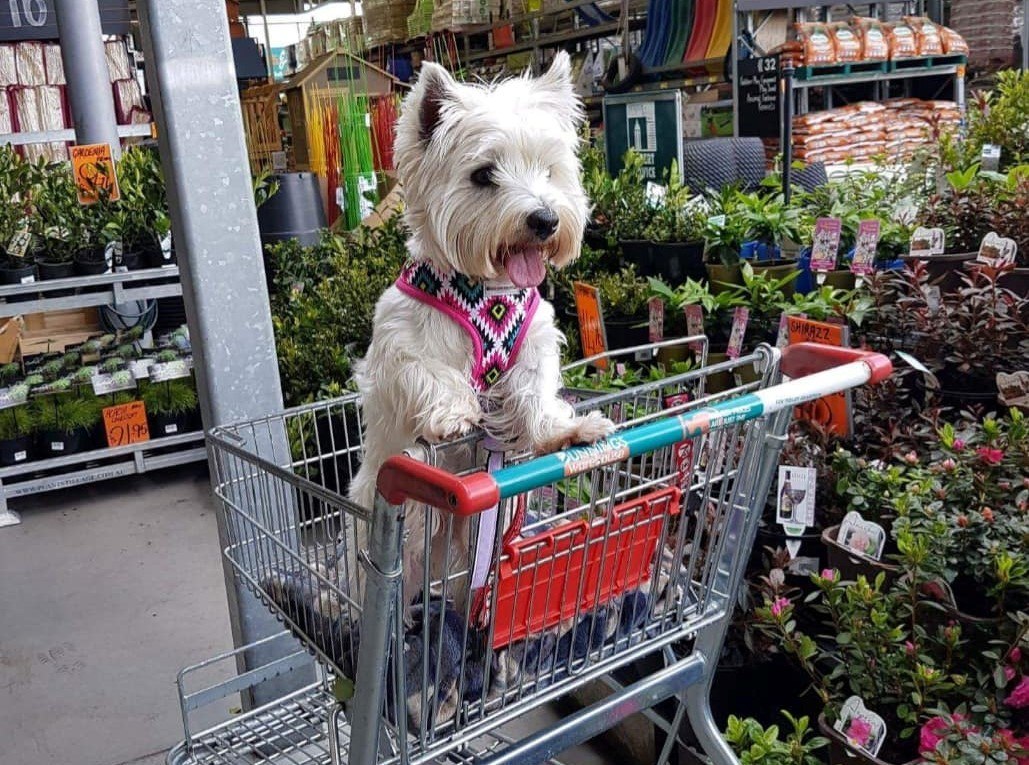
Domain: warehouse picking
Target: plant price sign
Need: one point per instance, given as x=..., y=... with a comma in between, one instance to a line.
x=126, y=424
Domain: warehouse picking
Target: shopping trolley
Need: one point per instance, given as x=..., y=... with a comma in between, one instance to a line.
x=596, y=556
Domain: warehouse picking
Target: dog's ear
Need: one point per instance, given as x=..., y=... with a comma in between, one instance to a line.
x=435, y=88
x=553, y=91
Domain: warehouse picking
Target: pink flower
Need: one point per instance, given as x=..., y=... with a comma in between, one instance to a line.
x=780, y=605
x=909, y=647
x=990, y=456
x=829, y=574
x=949, y=465
x=859, y=731
x=1009, y=673
x=959, y=445
x=911, y=458
x=1016, y=655
x=1019, y=698
x=934, y=731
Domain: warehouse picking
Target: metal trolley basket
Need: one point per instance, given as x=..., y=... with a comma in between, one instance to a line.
x=537, y=577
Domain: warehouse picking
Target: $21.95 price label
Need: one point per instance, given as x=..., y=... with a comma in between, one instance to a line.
x=126, y=424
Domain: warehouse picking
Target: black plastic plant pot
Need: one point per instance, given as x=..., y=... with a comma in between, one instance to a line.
x=130, y=260
x=18, y=273
x=60, y=443
x=91, y=262
x=637, y=252
x=155, y=257
x=55, y=269
x=678, y=261
x=164, y=424
x=15, y=451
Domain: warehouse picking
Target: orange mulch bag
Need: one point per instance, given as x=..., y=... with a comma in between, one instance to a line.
x=903, y=43
x=874, y=45
x=818, y=42
x=927, y=36
x=953, y=43
x=848, y=44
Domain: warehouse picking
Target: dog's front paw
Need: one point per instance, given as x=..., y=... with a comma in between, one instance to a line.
x=449, y=423
x=587, y=429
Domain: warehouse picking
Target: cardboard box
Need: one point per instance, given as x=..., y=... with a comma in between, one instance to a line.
x=56, y=330
x=10, y=338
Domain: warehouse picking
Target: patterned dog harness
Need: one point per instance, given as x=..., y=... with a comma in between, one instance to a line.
x=496, y=320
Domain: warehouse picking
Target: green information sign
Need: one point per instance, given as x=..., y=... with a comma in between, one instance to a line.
x=650, y=123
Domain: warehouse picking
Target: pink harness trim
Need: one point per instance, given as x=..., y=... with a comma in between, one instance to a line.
x=496, y=321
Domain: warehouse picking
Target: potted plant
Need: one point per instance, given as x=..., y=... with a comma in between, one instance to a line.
x=757, y=745
x=18, y=429
x=58, y=220
x=765, y=294
x=724, y=235
x=65, y=421
x=770, y=223
x=676, y=233
x=632, y=213
x=15, y=183
x=140, y=220
x=170, y=406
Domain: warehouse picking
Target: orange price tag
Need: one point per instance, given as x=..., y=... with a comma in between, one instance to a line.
x=93, y=167
x=832, y=412
x=126, y=424
x=591, y=322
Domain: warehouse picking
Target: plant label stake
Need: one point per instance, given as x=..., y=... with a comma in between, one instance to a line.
x=169, y=370
x=864, y=251
x=826, y=247
x=126, y=424
x=927, y=241
x=740, y=318
x=591, y=322
x=19, y=243
x=996, y=250
x=861, y=537
x=656, y=327
x=990, y=158
x=694, y=324
x=864, y=729
x=795, y=501
x=93, y=168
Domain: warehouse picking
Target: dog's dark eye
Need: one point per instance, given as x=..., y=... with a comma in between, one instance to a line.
x=483, y=176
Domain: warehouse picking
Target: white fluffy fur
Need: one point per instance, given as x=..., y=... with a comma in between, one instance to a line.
x=415, y=378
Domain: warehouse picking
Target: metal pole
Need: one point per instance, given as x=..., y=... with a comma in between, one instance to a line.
x=786, y=99
x=214, y=224
x=1025, y=35
x=85, y=70
x=268, y=62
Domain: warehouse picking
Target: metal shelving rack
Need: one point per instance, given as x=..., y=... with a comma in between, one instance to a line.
x=98, y=464
x=745, y=19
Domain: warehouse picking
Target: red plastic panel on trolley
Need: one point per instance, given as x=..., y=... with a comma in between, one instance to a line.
x=544, y=579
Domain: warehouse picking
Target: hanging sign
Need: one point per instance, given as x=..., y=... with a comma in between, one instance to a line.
x=126, y=424
x=93, y=167
x=760, y=101
x=650, y=124
x=832, y=412
x=37, y=19
x=591, y=322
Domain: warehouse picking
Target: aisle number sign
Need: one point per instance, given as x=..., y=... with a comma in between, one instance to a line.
x=126, y=424
x=591, y=322
x=93, y=167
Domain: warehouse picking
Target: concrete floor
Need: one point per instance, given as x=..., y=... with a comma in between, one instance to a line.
x=106, y=591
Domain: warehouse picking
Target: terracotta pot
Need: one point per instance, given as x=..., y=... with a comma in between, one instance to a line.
x=840, y=752
x=852, y=566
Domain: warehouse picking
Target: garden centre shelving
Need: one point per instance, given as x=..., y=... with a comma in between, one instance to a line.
x=746, y=21
x=99, y=464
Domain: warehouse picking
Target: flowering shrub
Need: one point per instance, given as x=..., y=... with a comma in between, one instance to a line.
x=952, y=739
x=755, y=745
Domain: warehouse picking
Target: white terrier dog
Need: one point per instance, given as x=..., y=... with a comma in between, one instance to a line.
x=462, y=340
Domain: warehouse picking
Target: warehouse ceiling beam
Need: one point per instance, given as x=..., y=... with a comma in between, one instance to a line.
x=214, y=224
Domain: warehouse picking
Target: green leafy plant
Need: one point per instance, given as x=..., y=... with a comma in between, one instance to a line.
x=170, y=398
x=65, y=413
x=757, y=745
x=679, y=216
x=632, y=212
x=16, y=422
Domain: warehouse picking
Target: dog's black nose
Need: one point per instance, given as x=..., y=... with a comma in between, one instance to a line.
x=543, y=222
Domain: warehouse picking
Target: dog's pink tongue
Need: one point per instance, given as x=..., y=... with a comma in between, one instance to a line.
x=526, y=267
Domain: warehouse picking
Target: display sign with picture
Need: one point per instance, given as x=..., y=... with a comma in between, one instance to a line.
x=656, y=326
x=866, y=247
x=740, y=318
x=997, y=250
x=795, y=499
x=169, y=370
x=862, y=537
x=826, y=245
x=93, y=168
x=864, y=729
x=927, y=241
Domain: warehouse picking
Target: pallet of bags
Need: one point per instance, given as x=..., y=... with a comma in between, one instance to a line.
x=41, y=109
x=128, y=102
x=30, y=63
x=53, y=64
x=8, y=66
x=119, y=67
x=7, y=123
x=385, y=21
